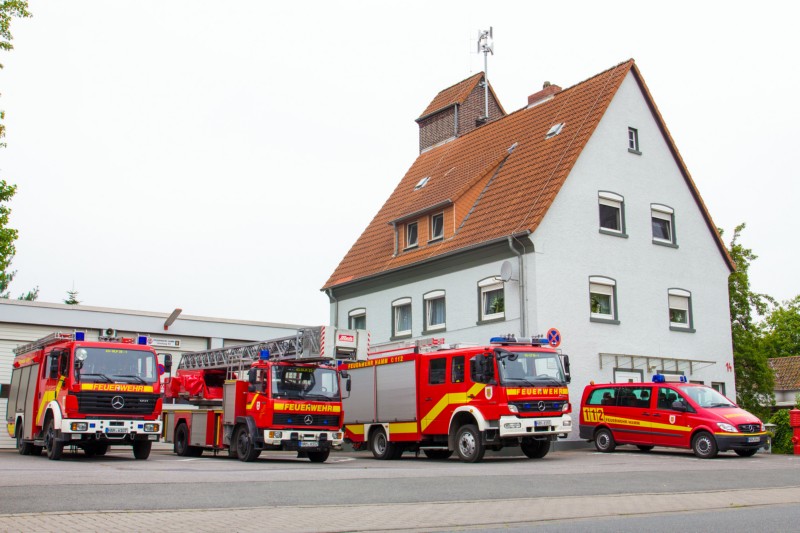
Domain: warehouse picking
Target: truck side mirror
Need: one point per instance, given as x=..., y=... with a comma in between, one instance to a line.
x=54, y=364
x=252, y=376
x=565, y=361
x=678, y=405
x=348, y=384
x=167, y=361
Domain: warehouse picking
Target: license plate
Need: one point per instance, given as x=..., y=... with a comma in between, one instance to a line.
x=753, y=439
x=541, y=423
x=152, y=437
x=116, y=430
x=309, y=444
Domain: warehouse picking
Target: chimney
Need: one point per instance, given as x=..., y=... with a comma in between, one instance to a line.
x=547, y=92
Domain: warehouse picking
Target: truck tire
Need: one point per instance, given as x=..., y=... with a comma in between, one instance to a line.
x=535, y=449
x=437, y=454
x=182, y=446
x=704, y=446
x=469, y=446
x=319, y=457
x=141, y=449
x=24, y=448
x=604, y=440
x=245, y=448
x=750, y=452
x=380, y=446
x=101, y=448
x=55, y=449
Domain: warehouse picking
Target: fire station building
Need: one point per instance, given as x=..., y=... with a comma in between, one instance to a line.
x=22, y=322
x=574, y=213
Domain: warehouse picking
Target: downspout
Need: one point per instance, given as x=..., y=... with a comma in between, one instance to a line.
x=335, y=307
x=523, y=321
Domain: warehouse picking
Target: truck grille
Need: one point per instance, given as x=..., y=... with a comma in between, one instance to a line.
x=749, y=428
x=302, y=420
x=536, y=406
x=112, y=403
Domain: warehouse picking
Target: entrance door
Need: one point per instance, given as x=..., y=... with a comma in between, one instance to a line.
x=669, y=425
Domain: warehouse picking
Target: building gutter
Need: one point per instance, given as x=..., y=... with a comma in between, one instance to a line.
x=329, y=292
x=515, y=236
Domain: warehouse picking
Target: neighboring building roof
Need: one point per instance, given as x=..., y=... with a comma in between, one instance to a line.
x=519, y=187
x=787, y=372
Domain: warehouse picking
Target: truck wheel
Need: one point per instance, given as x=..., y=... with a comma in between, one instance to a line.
x=437, y=454
x=319, y=457
x=141, y=449
x=535, y=449
x=89, y=450
x=604, y=441
x=380, y=446
x=181, y=439
x=101, y=448
x=245, y=448
x=54, y=448
x=644, y=448
x=24, y=448
x=704, y=446
x=469, y=446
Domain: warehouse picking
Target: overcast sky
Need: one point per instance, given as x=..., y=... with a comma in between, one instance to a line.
x=222, y=157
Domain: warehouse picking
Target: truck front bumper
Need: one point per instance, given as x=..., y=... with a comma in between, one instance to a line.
x=109, y=429
x=306, y=440
x=514, y=426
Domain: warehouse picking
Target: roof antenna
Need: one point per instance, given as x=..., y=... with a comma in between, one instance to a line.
x=485, y=45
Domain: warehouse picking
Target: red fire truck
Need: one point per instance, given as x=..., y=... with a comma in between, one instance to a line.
x=67, y=391
x=429, y=396
x=280, y=394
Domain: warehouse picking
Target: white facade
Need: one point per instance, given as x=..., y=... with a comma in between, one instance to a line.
x=22, y=322
x=568, y=248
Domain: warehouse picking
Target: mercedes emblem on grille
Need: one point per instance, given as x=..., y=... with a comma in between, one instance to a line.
x=308, y=420
x=541, y=406
x=117, y=402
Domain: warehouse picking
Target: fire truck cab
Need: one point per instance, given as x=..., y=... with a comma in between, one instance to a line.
x=440, y=399
x=67, y=391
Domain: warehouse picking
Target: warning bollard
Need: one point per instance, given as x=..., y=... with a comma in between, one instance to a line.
x=794, y=422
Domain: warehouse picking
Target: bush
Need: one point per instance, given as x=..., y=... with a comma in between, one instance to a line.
x=782, y=439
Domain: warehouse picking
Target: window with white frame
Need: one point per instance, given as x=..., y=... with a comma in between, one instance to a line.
x=357, y=319
x=612, y=214
x=401, y=317
x=633, y=140
x=434, y=310
x=437, y=226
x=602, y=299
x=492, y=299
x=411, y=234
x=680, y=309
x=663, y=222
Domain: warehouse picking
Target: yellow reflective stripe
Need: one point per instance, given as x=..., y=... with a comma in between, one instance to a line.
x=402, y=427
x=643, y=424
x=47, y=397
x=253, y=403
x=448, y=399
x=357, y=429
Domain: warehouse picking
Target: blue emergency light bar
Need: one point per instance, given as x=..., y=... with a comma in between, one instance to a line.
x=80, y=335
x=142, y=339
x=264, y=355
x=511, y=339
x=672, y=378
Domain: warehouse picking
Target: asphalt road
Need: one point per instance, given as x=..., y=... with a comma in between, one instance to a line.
x=581, y=478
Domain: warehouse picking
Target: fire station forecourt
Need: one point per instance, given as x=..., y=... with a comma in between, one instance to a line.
x=353, y=492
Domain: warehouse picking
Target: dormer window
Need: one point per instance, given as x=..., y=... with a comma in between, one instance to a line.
x=437, y=226
x=411, y=235
x=421, y=183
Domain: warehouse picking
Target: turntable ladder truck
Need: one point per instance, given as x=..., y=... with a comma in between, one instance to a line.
x=278, y=394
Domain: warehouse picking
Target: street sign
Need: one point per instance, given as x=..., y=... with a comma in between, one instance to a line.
x=553, y=337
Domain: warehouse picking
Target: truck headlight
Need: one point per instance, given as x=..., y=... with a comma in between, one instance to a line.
x=513, y=408
x=727, y=427
x=275, y=434
x=79, y=426
x=151, y=427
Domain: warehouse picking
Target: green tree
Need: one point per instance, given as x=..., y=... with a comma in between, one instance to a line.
x=755, y=381
x=782, y=335
x=8, y=10
x=72, y=298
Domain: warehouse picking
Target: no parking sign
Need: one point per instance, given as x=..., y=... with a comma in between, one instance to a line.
x=553, y=337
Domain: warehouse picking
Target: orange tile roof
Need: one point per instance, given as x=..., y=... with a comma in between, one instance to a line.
x=524, y=183
x=455, y=94
x=787, y=372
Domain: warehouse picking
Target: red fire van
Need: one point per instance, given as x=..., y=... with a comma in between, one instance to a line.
x=667, y=412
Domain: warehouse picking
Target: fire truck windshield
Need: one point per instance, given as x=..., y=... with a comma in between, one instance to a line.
x=305, y=382
x=706, y=397
x=111, y=365
x=531, y=368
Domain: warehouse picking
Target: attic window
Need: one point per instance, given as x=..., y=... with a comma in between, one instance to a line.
x=422, y=183
x=555, y=130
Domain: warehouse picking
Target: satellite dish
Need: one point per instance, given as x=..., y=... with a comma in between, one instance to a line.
x=506, y=271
